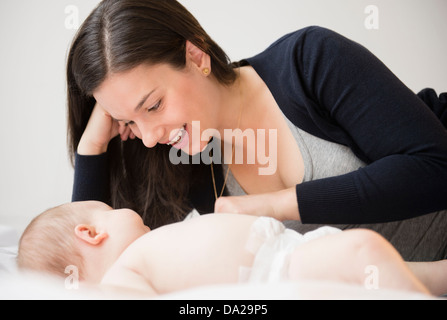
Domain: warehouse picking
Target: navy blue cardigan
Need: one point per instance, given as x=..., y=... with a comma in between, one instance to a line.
x=337, y=90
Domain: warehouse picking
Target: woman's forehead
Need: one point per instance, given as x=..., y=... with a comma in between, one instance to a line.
x=126, y=89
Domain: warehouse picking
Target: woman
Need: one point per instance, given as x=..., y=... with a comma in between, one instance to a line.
x=353, y=145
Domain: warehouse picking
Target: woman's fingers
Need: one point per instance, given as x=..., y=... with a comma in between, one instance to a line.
x=251, y=205
x=281, y=205
x=123, y=131
x=126, y=132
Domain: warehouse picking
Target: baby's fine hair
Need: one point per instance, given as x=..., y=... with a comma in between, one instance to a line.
x=48, y=243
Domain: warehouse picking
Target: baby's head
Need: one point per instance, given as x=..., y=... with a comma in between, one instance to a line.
x=89, y=235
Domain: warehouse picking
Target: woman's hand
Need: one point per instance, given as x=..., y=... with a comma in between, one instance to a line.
x=281, y=205
x=101, y=128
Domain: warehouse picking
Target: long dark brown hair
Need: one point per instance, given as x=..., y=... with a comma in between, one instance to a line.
x=118, y=36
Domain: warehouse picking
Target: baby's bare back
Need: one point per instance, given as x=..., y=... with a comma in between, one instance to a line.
x=202, y=251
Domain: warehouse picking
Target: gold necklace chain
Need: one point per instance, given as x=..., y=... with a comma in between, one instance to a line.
x=232, y=151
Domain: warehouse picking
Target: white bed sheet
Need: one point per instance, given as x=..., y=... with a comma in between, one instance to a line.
x=16, y=286
x=9, y=239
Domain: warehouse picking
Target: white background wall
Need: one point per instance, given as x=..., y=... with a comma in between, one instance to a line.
x=35, y=172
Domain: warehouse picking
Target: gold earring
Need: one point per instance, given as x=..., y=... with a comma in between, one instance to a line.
x=206, y=71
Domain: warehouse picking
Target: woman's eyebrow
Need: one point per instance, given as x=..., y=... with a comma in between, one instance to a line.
x=142, y=101
x=140, y=104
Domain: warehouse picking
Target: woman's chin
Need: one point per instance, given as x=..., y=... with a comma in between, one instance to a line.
x=196, y=149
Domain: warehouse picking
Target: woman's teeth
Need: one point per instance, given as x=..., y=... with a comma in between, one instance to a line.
x=178, y=137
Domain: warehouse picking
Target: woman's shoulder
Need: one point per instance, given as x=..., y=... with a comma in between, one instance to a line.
x=311, y=35
x=303, y=44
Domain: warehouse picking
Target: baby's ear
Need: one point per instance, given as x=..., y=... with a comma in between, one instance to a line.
x=87, y=233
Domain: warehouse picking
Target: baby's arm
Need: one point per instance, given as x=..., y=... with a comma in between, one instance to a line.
x=124, y=280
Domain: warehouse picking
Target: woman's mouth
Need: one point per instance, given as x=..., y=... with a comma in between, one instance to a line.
x=180, y=139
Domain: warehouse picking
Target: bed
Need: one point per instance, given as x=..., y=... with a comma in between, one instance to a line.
x=15, y=284
x=8, y=249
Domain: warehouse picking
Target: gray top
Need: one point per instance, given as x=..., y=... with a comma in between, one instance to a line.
x=322, y=159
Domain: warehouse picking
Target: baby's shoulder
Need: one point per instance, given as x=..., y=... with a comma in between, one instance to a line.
x=121, y=277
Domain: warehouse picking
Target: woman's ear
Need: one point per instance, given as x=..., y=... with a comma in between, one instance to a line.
x=199, y=58
x=88, y=234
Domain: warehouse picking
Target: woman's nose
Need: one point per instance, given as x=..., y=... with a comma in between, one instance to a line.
x=150, y=135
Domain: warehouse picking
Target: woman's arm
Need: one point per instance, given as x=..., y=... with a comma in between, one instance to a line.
x=91, y=179
x=337, y=90
x=401, y=139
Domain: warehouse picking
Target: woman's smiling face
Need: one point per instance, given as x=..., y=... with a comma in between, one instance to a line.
x=159, y=103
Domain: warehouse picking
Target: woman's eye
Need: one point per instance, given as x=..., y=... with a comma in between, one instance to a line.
x=155, y=107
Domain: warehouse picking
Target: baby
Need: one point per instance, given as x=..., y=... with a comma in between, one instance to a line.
x=114, y=248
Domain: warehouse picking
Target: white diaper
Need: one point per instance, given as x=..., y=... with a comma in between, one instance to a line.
x=272, y=244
